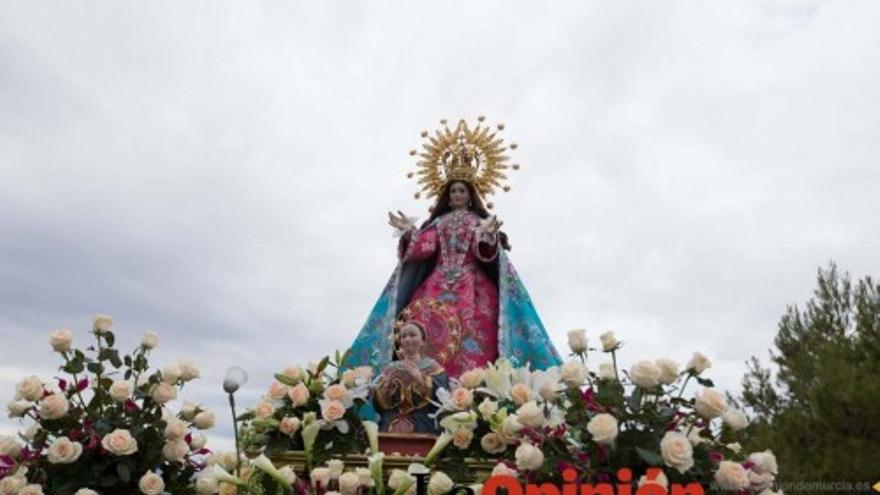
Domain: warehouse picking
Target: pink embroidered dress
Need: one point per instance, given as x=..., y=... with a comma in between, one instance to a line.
x=458, y=302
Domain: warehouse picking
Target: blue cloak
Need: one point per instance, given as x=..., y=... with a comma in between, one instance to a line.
x=522, y=338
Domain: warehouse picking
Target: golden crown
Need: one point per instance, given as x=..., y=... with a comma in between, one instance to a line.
x=461, y=153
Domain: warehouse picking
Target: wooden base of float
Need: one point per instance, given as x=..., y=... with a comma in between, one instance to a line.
x=401, y=450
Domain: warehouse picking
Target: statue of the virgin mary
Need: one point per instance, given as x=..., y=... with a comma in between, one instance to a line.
x=454, y=276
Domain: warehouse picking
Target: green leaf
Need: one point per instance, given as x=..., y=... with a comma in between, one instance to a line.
x=96, y=368
x=705, y=382
x=123, y=472
x=322, y=365
x=285, y=379
x=652, y=458
x=73, y=367
x=110, y=338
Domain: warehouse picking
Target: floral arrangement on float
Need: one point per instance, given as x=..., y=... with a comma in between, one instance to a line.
x=564, y=424
x=102, y=426
x=312, y=409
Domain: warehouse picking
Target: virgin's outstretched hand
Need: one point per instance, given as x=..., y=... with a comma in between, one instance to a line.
x=491, y=225
x=400, y=222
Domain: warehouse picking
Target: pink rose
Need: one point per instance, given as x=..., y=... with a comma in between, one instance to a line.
x=462, y=398
x=299, y=395
x=332, y=410
x=336, y=392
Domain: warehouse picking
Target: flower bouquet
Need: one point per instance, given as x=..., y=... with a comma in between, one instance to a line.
x=102, y=425
x=313, y=410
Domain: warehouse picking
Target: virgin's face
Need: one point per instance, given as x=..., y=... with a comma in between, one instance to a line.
x=411, y=339
x=459, y=196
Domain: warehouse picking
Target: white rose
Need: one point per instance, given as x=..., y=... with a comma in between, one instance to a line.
x=188, y=410
x=487, y=408
x=574, y=373
x=54, y=406
x=501, y=469
x=645, y=374
x=577, y=341
x=207, y=484
x=61, y=339
x=10, y=485
x=175, y=450
x=735, y=418
x=31, y=432
x=348, y=483
x=188, y=370
x=163, y=392
x=510, y=427
x=119, y=442
x=9, y=446
x=731, y=476
x=150, y=340
x=120, y=390
x=759, y=482
x=85, y=491
x=197, y=441
x=365, y=477
x=151, y=484
x=18, y=408
x=175, y=429
x=31, y=490
x=698, y=363
x=63, y=451
x=31, y=388
x=440, y=484
x=529, y=457
x=603, y=428
x=710, y=403
x=171, y=373
x=735, y=447
x=102, y=324
x=529, y=414
x=668, y=371
x=606, y=371
x=204, y=420
x=335, y=468
x=609, y=341
x=492, y=443
x=764, y=462
x=677, y=451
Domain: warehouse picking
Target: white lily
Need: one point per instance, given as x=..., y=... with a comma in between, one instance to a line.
x=459, y=420
x=264, y=464
x=498, y=379
x=372, y=430
x=218, y=473
x=442, y=442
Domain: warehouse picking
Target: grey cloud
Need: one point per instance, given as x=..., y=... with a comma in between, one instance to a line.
x=220, y=172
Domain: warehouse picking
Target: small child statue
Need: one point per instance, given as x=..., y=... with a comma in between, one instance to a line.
x=405, y=389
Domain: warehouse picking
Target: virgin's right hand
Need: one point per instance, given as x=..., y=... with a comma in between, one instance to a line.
x=400, y=222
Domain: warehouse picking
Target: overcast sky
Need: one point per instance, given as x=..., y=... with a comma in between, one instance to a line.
x=220, y=171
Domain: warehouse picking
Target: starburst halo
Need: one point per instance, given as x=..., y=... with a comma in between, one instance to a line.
x=475, y=154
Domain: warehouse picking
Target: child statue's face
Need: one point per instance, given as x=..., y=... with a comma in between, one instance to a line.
x=411, y=339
